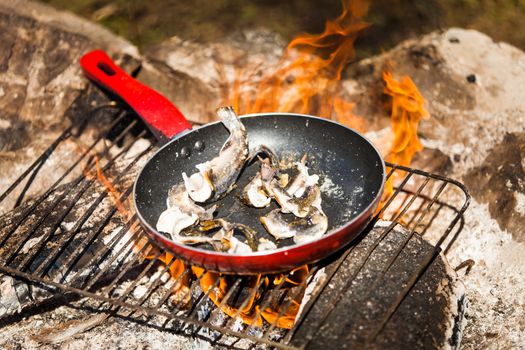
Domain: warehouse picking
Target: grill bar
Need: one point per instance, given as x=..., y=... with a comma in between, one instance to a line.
x=106, y=256
x=37, y=224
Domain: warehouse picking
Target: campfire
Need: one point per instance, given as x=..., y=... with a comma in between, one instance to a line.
x=306, y=80
x=81, y=235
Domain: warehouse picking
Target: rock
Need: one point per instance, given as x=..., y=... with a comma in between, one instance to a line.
x=473, y=87
x=198, y=77
x=500, y=182
x=41, y=82
x=465, y=116
x=433, y=161
x=434, y=307
x=39, y=72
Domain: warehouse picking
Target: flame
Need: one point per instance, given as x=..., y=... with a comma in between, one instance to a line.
x=110, y=189
x=176, y=268
x=251, y=313
x=307, y=78
x=406, y=112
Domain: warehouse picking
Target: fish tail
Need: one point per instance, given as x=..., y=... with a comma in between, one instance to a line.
x=229, y=118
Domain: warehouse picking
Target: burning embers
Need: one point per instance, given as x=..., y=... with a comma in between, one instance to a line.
x=279, y=309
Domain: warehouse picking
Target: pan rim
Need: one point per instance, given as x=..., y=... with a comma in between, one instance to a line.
x=273, y=251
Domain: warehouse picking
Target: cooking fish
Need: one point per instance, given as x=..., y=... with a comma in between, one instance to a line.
x=178, y=197
x=306, y=229
x=173, y=220
x=179, y=226
x=295, y=194
x=182, y=212
x=301, y=180
x=263, y=150
x=236, y=246
x=217, y=176
x=298, y=205
x=254, y=194
x=225, y=241
x=268, y=172
x=265, y=244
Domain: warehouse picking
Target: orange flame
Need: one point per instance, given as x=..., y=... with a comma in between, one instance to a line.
x=111, y=190
x=176, y=268
x=407, y=111
x=308, y=77
x=251, y=313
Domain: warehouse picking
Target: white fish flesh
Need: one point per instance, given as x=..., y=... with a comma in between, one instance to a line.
x=254, y=193
x=173, y=221
x=178, y=197
x=306, y=229
x=217, y=177
x=265, y=244
x=182, y=212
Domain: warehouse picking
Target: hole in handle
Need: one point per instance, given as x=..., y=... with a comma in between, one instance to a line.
x=106, y=68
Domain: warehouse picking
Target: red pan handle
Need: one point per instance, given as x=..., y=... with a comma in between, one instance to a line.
x=162, y=117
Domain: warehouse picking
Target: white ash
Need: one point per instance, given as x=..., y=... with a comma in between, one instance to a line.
x=113, y=333
x=160, y=274
x=10, y=301
x=121, y=289
x=496, y=283
x=30, y=244
x=457, y=293
x=520, y=203
x=68, y=225
x=141, y=145
x=140, y=291
x=311, y=289
x=121, y=242
x=238, y=325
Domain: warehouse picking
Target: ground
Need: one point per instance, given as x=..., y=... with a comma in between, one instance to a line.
x=146, y=23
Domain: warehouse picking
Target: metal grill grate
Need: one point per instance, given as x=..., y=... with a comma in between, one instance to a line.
x=77, y=238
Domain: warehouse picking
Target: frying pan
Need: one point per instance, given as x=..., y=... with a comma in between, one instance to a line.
x=351, y=170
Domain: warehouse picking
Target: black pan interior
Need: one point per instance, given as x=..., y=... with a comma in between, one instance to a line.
x=350, y=169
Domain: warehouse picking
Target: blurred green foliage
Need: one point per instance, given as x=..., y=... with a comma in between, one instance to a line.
x=149, y=22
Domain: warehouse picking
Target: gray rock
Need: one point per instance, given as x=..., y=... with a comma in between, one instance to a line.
x=500, y=182
x=430, y=317
x=41, y=81
x=198, y=77
x=474, y=92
